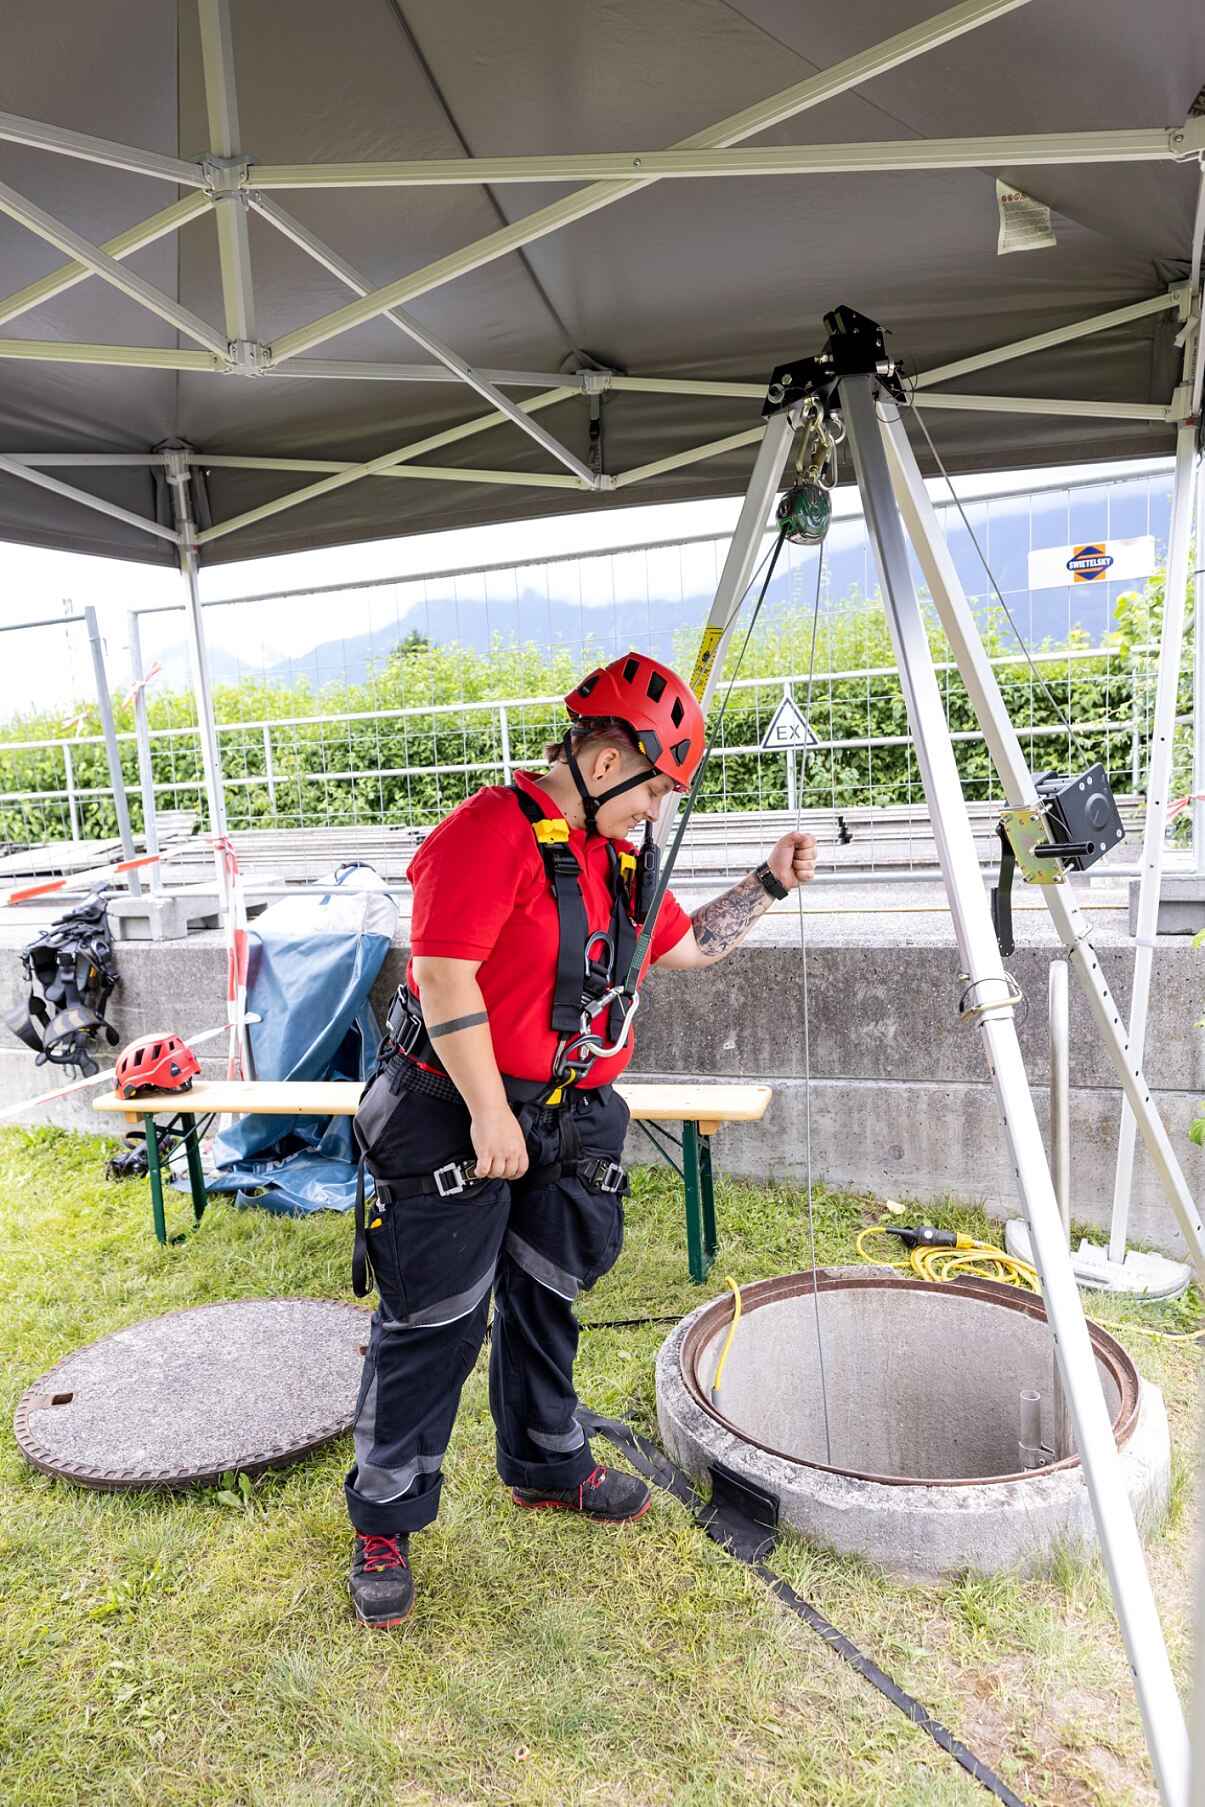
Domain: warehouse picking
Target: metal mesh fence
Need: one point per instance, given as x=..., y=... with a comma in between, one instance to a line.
x=388, y=702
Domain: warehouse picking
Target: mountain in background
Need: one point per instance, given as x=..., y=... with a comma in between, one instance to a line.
x=585, y=628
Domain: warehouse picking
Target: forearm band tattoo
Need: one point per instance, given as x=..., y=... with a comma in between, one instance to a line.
x=457, y=1022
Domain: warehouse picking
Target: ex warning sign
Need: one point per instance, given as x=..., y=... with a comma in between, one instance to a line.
x=788, y=729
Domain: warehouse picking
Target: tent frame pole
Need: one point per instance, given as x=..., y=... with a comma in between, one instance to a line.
x=110, y=269
x=330, y=260
x=175, y=461
x=850, y=73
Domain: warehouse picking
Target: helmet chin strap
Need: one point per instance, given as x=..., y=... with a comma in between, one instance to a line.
x=591, y=804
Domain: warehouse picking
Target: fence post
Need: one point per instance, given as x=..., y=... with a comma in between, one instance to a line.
x=112, y=751
x=72, y=799
x=504, y=739
x=1198, y=690
x=142, y=734
x=269, y=768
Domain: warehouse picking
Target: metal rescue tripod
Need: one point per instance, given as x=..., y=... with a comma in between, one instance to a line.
x=855, y=385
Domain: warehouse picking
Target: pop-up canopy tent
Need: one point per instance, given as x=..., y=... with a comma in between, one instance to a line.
x=291, y=240
x=452, y=273
x=480, y=285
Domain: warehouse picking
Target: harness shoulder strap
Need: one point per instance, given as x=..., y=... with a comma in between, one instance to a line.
x=564, y=876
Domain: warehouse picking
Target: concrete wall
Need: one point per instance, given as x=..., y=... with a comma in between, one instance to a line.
x=900, y=1104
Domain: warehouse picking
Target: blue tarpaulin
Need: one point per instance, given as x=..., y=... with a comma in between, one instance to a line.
x=313, y=960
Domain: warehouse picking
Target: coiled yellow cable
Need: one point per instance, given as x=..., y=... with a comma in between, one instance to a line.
x=981, y=1260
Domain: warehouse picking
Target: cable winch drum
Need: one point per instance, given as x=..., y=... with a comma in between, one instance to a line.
x=804, y=513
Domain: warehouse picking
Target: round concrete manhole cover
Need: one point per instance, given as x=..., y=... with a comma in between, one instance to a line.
x=179, y=1400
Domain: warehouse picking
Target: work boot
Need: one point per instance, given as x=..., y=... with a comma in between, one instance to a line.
x=609, y=1497
x=382, y=1587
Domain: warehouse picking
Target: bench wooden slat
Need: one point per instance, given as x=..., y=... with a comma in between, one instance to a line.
x=690, y=1102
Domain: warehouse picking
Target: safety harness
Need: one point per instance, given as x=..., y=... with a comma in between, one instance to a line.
x=71, y=967
x=590, y=972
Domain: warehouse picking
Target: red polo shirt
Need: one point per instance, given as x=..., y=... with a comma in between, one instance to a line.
x=481, y=893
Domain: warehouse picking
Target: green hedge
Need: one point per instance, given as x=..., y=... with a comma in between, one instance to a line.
x=308, y=757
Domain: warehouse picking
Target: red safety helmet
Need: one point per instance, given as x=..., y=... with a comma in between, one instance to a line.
x=155, y=1063
x=656, y=703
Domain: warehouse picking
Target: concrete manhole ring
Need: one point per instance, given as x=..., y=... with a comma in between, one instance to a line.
x=915, y=1465
x=177, y=1401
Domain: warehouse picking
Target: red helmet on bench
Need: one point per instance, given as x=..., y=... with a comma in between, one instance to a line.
x=155, y=1063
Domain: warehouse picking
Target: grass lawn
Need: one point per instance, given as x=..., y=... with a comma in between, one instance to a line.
x=175, y=1649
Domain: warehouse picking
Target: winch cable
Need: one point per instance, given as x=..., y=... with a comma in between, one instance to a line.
x=741, y=1537
x=807, y=1021
x=645, y=937
x=1072, y=736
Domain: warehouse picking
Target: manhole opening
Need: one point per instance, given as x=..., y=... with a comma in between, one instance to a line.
x=923, y=1382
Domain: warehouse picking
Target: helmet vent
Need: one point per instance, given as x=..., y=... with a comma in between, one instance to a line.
x=629, y=671
x=677, y=712
x=656, y=686
x=679, y=750
x=587, y=684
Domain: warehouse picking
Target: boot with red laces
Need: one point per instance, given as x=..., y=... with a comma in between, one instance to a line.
x=605, y=1495
x=382, y=1587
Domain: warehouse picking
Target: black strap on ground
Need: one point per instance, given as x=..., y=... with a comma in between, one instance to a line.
x=728, y=1522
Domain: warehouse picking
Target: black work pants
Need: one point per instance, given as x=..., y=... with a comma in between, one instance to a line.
x=437, y=1260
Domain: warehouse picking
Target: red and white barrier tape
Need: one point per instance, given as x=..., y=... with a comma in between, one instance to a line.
x=140, y=684
x=239, y=1064
x=75, y=880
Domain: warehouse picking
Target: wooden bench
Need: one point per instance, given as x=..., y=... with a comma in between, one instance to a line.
x=700, y=1108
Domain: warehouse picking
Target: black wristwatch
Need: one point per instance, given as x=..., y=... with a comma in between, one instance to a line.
x=768, y=882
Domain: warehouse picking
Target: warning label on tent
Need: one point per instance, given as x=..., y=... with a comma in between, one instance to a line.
x=1092, y=562
x=1024, y=222
x=788, y=729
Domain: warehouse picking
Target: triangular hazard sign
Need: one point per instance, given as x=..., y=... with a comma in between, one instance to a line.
x=788, y=729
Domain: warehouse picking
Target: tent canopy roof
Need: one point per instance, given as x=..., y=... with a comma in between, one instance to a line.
x=705, y=278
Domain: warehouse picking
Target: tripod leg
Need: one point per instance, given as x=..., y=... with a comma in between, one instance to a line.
x=989, y=1002
x=1005, y=749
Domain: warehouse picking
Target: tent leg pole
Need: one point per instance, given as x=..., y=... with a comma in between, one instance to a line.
x=990, y=1002
x=112, y=751
x=1008, y=758
x=1158, y=795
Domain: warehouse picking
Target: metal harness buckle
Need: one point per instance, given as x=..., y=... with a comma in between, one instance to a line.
x=453, y=1177
x=610, y=1178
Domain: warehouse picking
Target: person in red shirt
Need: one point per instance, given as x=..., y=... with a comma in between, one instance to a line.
x=491, y=1128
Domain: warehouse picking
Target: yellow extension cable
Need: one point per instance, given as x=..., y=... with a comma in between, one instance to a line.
x=736, y=1318
x=980, y=1259
x=986, y=1262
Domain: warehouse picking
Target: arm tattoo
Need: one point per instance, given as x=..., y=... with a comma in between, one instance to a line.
x=456, y=1023
x=725, y=921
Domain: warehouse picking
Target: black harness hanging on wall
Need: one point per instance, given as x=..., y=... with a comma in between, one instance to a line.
x=71, y=976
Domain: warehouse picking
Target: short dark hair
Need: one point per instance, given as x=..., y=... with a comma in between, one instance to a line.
x=595, y=731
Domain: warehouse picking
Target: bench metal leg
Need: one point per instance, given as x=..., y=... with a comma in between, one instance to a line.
x=155, y=1177
x=707, y=1193
x=196, y=1176
x=698, y=1254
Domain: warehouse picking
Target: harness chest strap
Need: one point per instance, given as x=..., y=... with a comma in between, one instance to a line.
x=575, y=939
